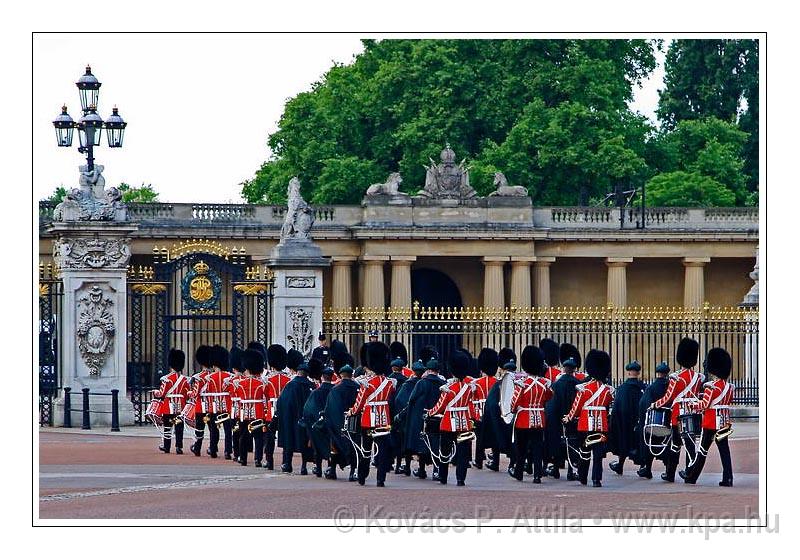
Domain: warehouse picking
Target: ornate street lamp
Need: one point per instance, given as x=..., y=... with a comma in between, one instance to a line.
x=90, y=125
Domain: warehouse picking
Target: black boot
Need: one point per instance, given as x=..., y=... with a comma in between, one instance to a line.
x=571, y=476
x=178, y=451
x=616, y=466
x=596, y=484
x=645, y=472
x=353, y=477
x=163, y=448
x=667, y=477
x=330, y=473
x=286, y=468
x=726, y=482
x=303, y=469
x=420, y=473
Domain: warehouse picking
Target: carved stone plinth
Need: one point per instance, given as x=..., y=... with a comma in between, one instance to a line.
x=93, y=259
x=297, y=300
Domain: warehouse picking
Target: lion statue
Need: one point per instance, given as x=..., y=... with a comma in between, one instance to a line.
x=502, y=188
x=390, y=188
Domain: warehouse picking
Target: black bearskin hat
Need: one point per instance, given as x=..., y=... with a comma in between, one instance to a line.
x=719, y=363
x=276, y=357
x=459, y=364
x=362, y=354
x=255, y=345
x=235, y=356
x=315, y=368
x=378, y=358
x=598, y=365
x=686, y=355
x=532, y=360
x=550, y=349
x=427, y=353
x=252, y=361
x=505, y=356
x=219, y=357
x=294, y=359
x=203, y=355
x=488, y=360
x=568, y=350
x=177, y=359
x=398, y=350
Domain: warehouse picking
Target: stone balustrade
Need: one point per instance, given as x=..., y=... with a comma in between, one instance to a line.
x=156, y=214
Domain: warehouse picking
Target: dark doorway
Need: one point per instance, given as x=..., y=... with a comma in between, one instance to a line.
x=431, y=288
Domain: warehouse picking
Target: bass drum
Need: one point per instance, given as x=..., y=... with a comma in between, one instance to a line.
x=506, y=394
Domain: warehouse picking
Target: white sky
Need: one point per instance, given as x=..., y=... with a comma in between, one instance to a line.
x=199, y=107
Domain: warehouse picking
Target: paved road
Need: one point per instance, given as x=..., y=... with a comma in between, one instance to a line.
x=97, y=475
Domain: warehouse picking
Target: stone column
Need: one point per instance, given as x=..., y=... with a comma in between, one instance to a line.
x=297, y=298
x=342, y=289
x=374, y=296
x=493, y=285
x=401, y=282
x=694, y=292
x=541, y=281
x=617, y=292
x=93, y=257
x=521, y=281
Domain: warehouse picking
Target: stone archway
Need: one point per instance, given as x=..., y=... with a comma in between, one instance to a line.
x=432, y=288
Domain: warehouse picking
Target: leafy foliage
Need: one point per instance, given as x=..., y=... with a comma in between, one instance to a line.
x=680, y=188
x=58, y=195
x=145, y=193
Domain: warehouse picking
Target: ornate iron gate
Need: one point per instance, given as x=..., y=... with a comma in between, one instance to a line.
x=191, y=297
x=50, y=301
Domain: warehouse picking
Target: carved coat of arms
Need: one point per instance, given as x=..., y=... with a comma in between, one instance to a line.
x=201, y=289
x=447, y=179
x=299, y=334
x=95, y=329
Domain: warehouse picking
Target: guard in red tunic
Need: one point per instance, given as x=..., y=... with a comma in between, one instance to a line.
x=275, y=379
x=551, y=351
x=173, y=391
x=458, y=416
x=250, y=392
x=488, y=362
x=217, y=401
x=530, y=395
x=374, y=404
x=203, y=357
x=591, y=406
x=715, y=406
x=681, y=396
x=237, y=375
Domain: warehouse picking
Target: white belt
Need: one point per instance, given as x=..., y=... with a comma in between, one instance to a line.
x=720, y=406
x=377, y=403
x=594, y=408
x=457, y=409
x=214, y=394
x=686, y=399
x=175, y=396
x=540, y=408
x=250, y=401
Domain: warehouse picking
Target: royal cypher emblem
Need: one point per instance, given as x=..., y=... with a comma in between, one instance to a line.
x=201, y=288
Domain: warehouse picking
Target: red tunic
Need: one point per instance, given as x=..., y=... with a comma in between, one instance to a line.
x=274, y=383
x=372, y=401
x=681, y=393
x=230, y=385
x=198, y=382
x=528, y=400
x=455, y=406
x=214, y=395
x=552, y=373
x=715, y=404
x=482, y=386
x=250, y=393
x=173, y=392
x=591, y=403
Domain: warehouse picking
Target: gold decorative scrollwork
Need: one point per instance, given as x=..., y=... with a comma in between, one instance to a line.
x=44, y=289
x=251, y=289
x=149, y=289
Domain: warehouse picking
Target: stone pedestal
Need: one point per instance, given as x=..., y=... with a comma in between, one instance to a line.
x=297, y=300
x=694, y=282
x=93, y=257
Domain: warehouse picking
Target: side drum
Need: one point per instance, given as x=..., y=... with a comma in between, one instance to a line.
x=690, y=424
x=657, y=422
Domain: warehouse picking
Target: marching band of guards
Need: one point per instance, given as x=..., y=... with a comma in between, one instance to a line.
x=545, y=415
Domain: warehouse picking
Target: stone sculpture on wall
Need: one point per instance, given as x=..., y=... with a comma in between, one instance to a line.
x=91, y=201
x=502, y=188
x=91, y=252
x=300, y=335
x=299, y=215
x=95, y=329
x=447, y=180
x=390, y=188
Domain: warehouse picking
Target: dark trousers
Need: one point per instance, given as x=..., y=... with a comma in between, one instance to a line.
x=597, y=452
x=679, y=439
x=248, y=439
x=463, y=450
x=706, y=439
x=382, y=457
x=213, y=433
x=172, y=431
x=237, y=438
x=227, y=426
x=529, y=444
x=269, y=445
x=200, y=429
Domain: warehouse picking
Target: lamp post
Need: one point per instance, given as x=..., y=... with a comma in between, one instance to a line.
x=90, y=125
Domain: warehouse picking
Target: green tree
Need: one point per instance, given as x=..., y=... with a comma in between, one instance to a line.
x=714, y=78
x=680, y=188
x=58, y=195
x=145, y=193
x=400, y=100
